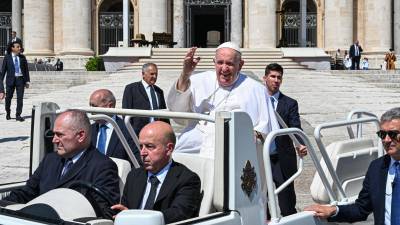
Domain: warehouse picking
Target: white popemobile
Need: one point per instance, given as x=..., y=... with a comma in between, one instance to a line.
x=232, y=188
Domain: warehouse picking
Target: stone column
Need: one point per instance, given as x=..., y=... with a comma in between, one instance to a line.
x=16, y=17
x=377, y=26
x=152, y=17
x=159, y=15
x=303, y=24
x=338, y=21
x=76, y=27
x=397, y=26
x=262, y=24
x=236, y=22
x=38, y=27
x=125, y=23
x=179, y=23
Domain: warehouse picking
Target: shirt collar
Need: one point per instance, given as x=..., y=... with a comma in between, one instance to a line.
x=13, y=55
x=114, y=117
x=162, y=173
x=145, y=84
x=276, y=95
x=76, y=157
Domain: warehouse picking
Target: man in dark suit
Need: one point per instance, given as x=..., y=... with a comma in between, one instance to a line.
x=283, y=158
x=380, y=193
x=162, y=184
x=144, y=95
x=104, y=136
x=16, y=39
x=74, y=160
x=355, y=55
x=16, y=67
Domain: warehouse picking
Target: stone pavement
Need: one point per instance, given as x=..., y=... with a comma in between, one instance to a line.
x=322, y=97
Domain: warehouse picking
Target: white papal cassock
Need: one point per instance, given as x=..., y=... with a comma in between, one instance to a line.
x=206, y=96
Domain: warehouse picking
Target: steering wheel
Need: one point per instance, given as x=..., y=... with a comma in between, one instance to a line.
x=91, y=188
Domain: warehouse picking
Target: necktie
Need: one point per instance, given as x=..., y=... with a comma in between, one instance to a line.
x=16, y=65
x=395, y=211
x=153, y=191
x=67, y=166
x=273, y=102
x=272, y=147
x=153, y=98
x=101, y=143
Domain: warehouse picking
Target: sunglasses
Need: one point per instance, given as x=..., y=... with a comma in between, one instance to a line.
x=393, y=134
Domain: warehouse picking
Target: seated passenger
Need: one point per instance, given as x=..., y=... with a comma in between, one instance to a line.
x=162, y=184
x=103, y=135
x=74, y=160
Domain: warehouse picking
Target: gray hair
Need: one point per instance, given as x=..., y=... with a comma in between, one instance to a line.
x=390, y=115
x=147, y=65
x=78, y=120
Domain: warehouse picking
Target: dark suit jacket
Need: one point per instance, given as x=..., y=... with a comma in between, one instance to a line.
x=179, y=196
x=371, y=197
x=135, y=97
x=8, y=67
x=92, y=167
x=352, y=50
x=18, y=40
x=288, y=109
x=115, y=148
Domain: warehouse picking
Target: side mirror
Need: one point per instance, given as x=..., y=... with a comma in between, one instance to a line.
x=139, y=217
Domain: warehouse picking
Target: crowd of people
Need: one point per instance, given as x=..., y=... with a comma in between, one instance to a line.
x=351, y=59
x=160, y=183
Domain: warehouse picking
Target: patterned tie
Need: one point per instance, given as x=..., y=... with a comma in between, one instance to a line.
x=67, y=166
x=273, y=102
x=101, y=143
x=16, y=65
x=395, y=212
x=153, y=191
x=153, y=98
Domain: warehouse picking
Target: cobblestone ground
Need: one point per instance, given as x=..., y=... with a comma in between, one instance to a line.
x=322, y=97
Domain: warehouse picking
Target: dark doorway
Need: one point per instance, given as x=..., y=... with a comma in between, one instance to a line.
x=205, y=19
x=290, y=22
x=207, y=22
x=5, y=25
x=110, y=24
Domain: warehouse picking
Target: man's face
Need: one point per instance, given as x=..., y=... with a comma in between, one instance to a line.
x=67, y=140
x=150, y=75
x=13, y=35
x=16, y=48
x=391, y=146
x=273, y=81
x=227, y=66
x=154, y=151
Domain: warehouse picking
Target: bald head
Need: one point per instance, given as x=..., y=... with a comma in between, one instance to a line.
x=157, y=141
x=102, y=98
x=162, y=130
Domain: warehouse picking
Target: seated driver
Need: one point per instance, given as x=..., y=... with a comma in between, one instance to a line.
x=74, y=160
x=161, y=184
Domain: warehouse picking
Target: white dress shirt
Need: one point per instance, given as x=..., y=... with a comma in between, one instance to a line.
x=109, y=131
x=147, y=88
x=161, y=177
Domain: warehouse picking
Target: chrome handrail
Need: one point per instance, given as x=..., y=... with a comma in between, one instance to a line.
x=120, y=135
x=268, y=171
x=324, y=154
x=359, y=114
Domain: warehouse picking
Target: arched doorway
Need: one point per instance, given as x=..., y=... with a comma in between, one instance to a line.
x=110, y=24
x=290, y=24
x=5, y=24
x=207, y=22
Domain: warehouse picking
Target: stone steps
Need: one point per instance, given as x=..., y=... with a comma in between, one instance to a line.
x=171, y=59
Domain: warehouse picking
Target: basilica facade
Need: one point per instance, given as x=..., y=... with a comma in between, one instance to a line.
x=90, y=27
